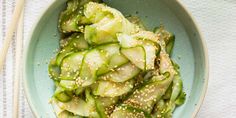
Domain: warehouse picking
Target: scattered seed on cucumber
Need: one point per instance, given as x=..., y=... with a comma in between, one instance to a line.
x=121, y=61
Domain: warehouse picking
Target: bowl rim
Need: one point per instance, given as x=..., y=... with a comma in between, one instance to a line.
x=206, y=58
x=202, y=41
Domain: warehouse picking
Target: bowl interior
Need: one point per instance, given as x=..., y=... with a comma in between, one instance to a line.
x=188, y=51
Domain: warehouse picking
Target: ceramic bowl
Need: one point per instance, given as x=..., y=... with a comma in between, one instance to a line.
x=189, y=52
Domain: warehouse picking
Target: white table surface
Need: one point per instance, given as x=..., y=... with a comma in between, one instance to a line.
x=217, y=21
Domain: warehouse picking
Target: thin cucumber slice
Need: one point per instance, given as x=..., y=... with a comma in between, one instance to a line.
x=164, y=34
x=96, y=36
x=112, y=89
x=63, y=97
x=121, y=74
x=56, y=105
x=95, y=108
x=62, y=54
x=158, y=50
x=74, y=43
x=127, y=41
x=68, y=84
x=170, y=45
x=145, y=97
x=117, y=60
x=61, y=94
x=71, y=65
x=66, y=114
x=113, y=58
x=137, y=21
x=181, y=99
x=79, y=90
x=110, y=49
x=92, y=61
x=77, y=106
x=68, y=19
x=159, y=109
x=114, y=62
x=136, y=55
x=107, y=23
x=78, y=42
x=150, y=51
x=100, y=109
x=150, y=48
x=73, y=17
x=146, y=35
x=167, y=95
x=54, y=70
x=107, y=104
x=108, y=101
x=125, y=111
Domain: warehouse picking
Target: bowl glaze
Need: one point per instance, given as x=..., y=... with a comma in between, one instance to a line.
x=189, y=52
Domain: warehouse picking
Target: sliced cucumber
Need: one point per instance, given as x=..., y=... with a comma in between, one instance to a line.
x=71, y=65
x=150, y=51
x=68, y=19
x=93, y=60
x=117, y=60
x=107, y=104
x=146, y=35
x=150, y=48
x=108, y=101
x=77, y=106
x=125, y=111
x=112, y=89
x=79, y=90
x=113, y=58
x=159, y=109
x=145, y=97
x=96, y=36
x=136, y=55
x=54, y=69
x=68, y=84
x=121, y=74
x=181, y=99
x=168, y=92
x=107, y=23
x=62, y=54
x=95, y=108
x=78, y=42
x=165, y=35
x=170, y=45
x=75, y=42
x=100, y=109
x=66, y=114
x=127, y=41
x=137, y=21
x=56, y=106
x=63, y=97
x=110, y=49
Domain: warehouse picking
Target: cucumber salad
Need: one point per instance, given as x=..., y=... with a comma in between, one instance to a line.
x=111, y=66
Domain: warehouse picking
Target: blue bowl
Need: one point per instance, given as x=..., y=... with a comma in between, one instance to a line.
x=189, y=52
